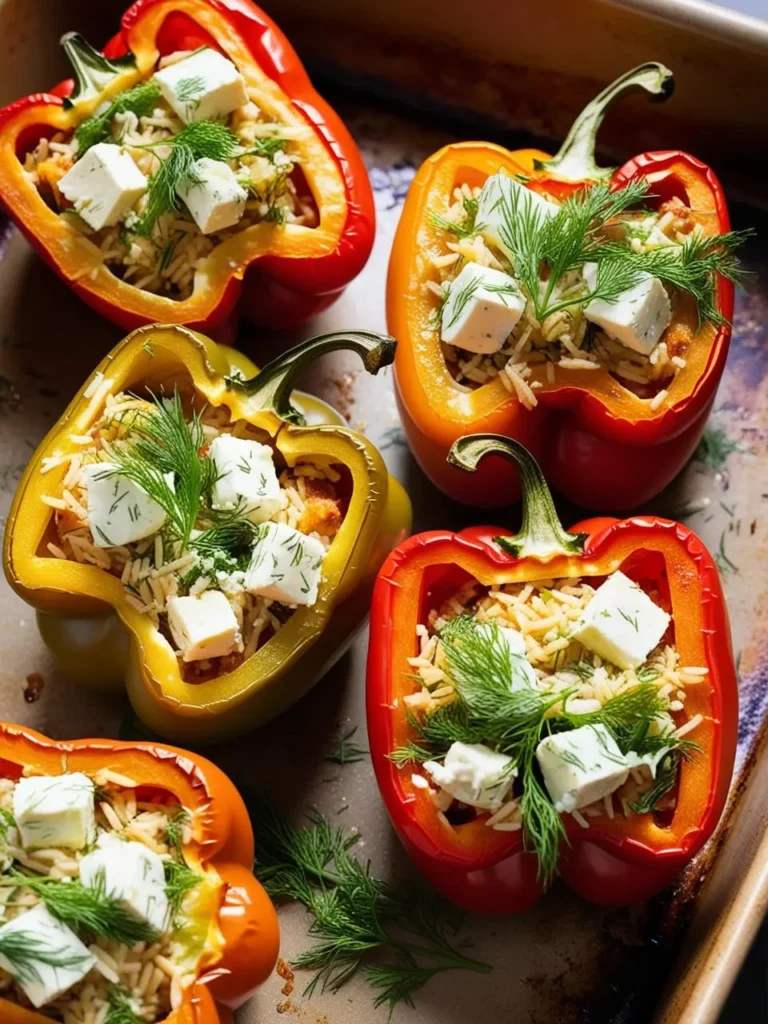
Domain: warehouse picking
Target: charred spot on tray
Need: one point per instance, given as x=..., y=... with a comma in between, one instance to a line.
x=33, y=688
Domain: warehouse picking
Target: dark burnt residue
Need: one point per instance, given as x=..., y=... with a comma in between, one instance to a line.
x=33, y=687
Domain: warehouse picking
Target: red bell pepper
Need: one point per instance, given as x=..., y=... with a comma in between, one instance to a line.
x=276, y=278
x=613, y=861
x=600, y=444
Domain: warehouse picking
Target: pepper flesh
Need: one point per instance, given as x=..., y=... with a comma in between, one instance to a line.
x=291, y=662
x=599, y=444
x=242, y=940
x=614, y=861
x=278, y=276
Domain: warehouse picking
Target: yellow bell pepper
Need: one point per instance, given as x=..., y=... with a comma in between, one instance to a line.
x=72, y=597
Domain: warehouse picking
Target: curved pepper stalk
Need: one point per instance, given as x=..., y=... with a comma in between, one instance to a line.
x=93, y=71
x=273, y=385
x=229, y=916
x=541, y=533
x=575, y=160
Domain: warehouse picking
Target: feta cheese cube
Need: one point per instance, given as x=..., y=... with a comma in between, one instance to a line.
x=285, y=565
x=523, y=675
x=55, y=810
x=637, y=317
x=501, y=198
x=581, y=766
x=103, y=185
x=474, y=774
x=204, y=86
x=621, y=623
x=132, y=874
x=119, y=511
x=482, y=309
x=246, y=477
x=213, y=195
x=204, y=626
x=62, y=959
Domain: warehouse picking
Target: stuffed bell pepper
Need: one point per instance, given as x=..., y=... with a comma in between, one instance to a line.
x=189, y=173
x=581, y=310
x=237, y=547
x=128, y=889
x=551, y=702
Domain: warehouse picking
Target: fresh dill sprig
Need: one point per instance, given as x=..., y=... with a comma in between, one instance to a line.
x=24, y=953
x=161, y=442
x=122, y=1009
x=194, y=142
x=357, y=918
x=573, y=237
x=714, y=448
x=268, y=146
x=7, y=822
x=179, y=880
x=174, y=830
x=464, y=228
x=87, y=909
x=666, y=776
x=140, y=100
x=344, y=751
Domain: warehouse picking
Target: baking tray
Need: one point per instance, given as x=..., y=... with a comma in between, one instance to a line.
x=563, y=961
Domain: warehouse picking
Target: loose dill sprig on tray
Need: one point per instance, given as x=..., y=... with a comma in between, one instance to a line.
x=121, y=1009
x=24, y=953
x=86, y=909
x=358, y=919
x=513, y=721
x=160, y=442
x=194, y=142
x=140, y=100
x=345, y=750
x=573, y=237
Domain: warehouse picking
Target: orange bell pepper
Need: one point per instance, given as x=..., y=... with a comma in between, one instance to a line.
x=599, y=443
x=232, y=919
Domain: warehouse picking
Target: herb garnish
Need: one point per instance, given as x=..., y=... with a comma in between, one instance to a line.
x=344, y=750
x=513, y=721
x=121, y=1009
x=179, y=880
x=24, y=952
x=88, y=909
x=464, y=228
x=140, y=100
x=357, y=917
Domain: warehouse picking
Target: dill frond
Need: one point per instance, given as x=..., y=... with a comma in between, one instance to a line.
x=666, y=777
x=268, y=146
x=179, y=880
x=86, y=909
x=121, y=1009
x=344, y=751
x=174, y=830
x=140, y=100
x=357, y=918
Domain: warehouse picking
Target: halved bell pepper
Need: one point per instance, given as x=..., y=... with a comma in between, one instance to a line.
x=599, y=444
x=378, y=516
x=232, y=930
x=613, y=861
x=277, y=275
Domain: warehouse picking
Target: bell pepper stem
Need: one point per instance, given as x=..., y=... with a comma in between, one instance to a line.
x=541, y=535
x=93, y=71
x=575, y=160
x=271, y=388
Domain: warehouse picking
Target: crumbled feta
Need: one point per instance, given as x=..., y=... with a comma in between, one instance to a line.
x=55, y=810
x=103, y=185
x=213, y=195
x=56, y=942
x=501, y=198
x=131, y=873
x=637, y=317
x=581, y=766
x=285, y=565
x=621, y=623
x=204, y=626
x=474, y=774
x=246, y=477
x=204, y=86
x=523, y=675
x=482, y=309
x=119, y=511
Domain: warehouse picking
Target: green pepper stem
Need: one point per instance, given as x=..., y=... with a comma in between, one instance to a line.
x=93, y=71
x=271, y=387
x=541, y=535
x=575, y=160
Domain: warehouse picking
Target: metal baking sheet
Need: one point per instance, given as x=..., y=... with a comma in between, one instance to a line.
x=563, y=961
